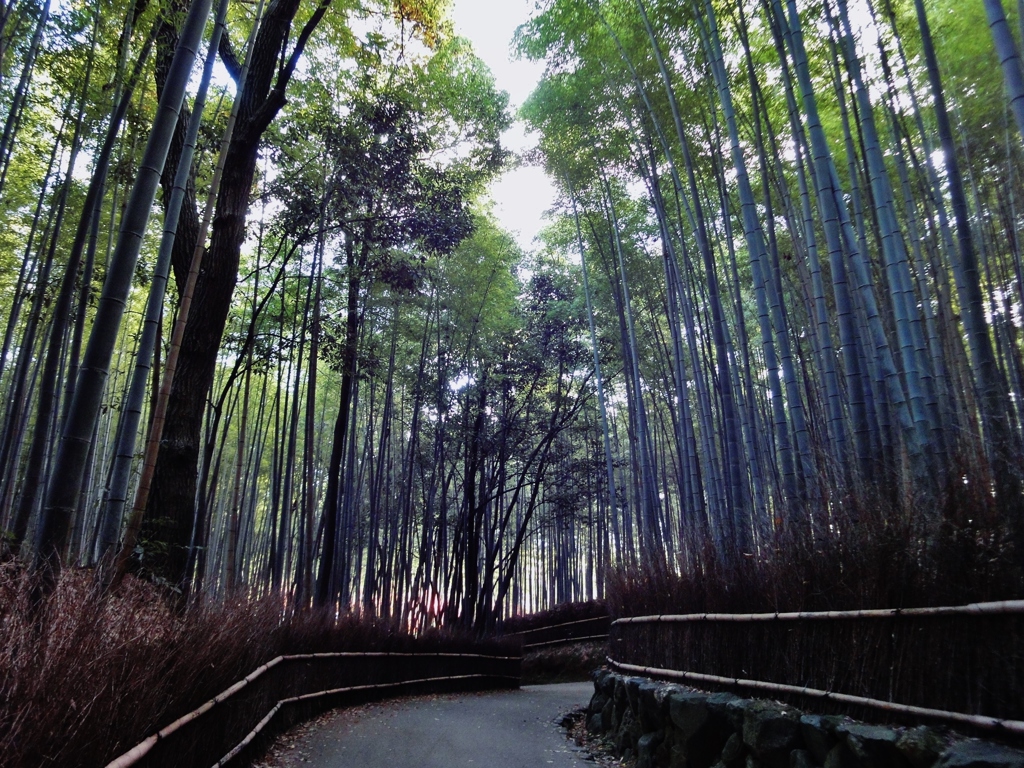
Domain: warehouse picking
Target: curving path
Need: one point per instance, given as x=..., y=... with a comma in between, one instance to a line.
x=503, y=729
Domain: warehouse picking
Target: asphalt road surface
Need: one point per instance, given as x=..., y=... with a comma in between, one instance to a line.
x=503, y=729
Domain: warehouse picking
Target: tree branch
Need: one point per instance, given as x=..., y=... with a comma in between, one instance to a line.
x=289, y=68
x=228, y=57
x=276, y=98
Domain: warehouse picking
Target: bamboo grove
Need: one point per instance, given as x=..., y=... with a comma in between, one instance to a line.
x=800, y=222
x=261, y=332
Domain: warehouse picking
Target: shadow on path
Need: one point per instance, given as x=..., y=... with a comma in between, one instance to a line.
x=502, y=729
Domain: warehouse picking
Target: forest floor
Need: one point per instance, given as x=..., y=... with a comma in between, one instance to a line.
x=597, y=747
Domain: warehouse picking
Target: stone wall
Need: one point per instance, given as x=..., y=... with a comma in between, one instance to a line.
x=669, y=726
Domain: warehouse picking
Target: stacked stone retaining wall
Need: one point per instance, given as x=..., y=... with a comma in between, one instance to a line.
x=664, y=725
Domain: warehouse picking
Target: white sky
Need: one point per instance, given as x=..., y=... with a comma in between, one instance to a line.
x=522, y=195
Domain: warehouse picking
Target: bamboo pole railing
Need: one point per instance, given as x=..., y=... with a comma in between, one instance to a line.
x=566, y=636
x=573, y=623
x=137, y=753
x=1015, y=727
x=972, y=609
x=564, y=640
x=622, y=626
x=332, y=692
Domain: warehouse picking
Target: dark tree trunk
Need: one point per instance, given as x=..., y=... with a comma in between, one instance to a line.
x=171, y=510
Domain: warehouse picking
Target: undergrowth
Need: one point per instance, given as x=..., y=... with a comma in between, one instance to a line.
x=571, y=663
x=88, y=676
x=560, y=614
x=854, y=557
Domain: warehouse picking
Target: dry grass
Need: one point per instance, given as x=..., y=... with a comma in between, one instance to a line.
x=862, y=556
x=866, y=556
x=89, y=676
x=571, y=663
x=560, y=614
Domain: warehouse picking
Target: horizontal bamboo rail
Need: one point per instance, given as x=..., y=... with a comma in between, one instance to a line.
x=1015, y=727
x=972, y=609
x=565, y=640
x=140, y=750
x=564, y=632
x=547, y=627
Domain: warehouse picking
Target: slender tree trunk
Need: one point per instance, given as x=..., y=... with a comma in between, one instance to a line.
x=67, y=475
x=1004, y=449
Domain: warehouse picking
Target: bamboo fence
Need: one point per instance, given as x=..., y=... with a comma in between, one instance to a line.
x=289, y=689
x=960, y=664
x=593, y=629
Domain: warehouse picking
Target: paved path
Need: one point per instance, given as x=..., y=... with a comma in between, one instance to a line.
x=505, y=729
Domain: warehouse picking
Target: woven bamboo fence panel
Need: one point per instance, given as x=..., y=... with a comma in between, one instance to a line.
x=967, y=659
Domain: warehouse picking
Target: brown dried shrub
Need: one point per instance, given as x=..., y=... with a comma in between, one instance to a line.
x=89, y=675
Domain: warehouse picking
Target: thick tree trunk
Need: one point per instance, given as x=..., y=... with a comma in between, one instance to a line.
x=171, y=510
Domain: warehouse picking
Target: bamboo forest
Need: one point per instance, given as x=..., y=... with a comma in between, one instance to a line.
x=264, y=333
